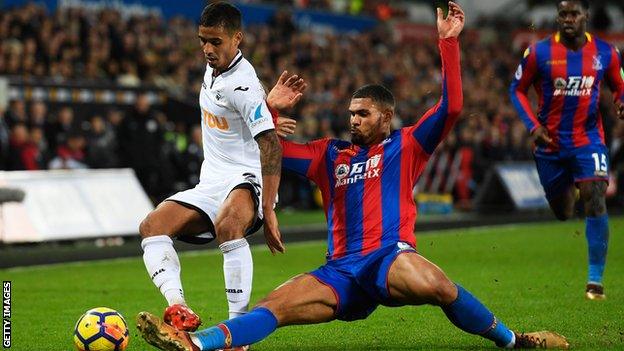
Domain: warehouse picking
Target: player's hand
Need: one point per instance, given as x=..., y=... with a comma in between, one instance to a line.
x=541, y=137
x=286, y=92
x=619, y=109
x=285, y=126
x=272, y=234
x=453, y=24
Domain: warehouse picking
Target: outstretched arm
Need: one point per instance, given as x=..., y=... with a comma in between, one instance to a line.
x=285, y=94
x=436, y=123
x=287, y=91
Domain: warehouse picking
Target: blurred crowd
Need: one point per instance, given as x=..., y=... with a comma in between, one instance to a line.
x=165, y=155
x=105, y=47
x=380, y=9
x=102, y=47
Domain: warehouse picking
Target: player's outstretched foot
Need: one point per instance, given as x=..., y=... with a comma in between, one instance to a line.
x=182, y=317
x=595, y=292
x=541, y=340
x=162, y=335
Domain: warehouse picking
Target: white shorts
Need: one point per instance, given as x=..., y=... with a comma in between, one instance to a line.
x=207, y=199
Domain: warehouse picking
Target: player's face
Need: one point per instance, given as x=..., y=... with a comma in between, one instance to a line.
x=571, y=19
x=370, y=123
x=219, y=45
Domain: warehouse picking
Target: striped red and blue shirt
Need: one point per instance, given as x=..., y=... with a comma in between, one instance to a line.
x=568, y=84
x=367, y=191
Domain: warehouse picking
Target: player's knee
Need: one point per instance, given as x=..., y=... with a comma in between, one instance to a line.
x=275, y=307
x=595, y=208
x=562, y=210
x=228, y=228
x=593, y=196
x=444, y=291
x=146, y=227
x=437, y=289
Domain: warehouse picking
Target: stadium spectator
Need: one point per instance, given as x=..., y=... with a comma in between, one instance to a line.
x=72, y=153
x=193, y=157
x=114, y=118
x=16, y=113
x=40, y=146
x=101, y=145
x=176, y=142
x=23, y=152
x=141, y=146
x=58, y=129
x=38, y=116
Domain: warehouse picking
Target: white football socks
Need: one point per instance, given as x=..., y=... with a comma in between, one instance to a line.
x=238, y=273
x=163, y=266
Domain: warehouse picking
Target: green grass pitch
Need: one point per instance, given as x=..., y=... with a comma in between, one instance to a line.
x=531, y=276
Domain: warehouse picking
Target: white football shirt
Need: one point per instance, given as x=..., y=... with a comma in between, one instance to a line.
x=233, y=112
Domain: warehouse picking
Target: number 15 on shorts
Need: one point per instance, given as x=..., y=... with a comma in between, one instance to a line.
x=600, y=162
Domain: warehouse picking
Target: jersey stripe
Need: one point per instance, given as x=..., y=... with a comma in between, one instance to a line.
x=557, y=55
x=570, y=103
x=597, y=133
x=390, y=202
x=543, y=56
x=353, y=208
x=329, y=181
x=410, y=169
x=581, y=117
x=372, y=211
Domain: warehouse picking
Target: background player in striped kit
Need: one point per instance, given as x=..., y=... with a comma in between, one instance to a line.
x=567, y=71
x=367, y=194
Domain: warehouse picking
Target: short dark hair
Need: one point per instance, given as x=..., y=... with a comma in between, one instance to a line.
x=376, y=92
x=584, y=3
x=221, y=13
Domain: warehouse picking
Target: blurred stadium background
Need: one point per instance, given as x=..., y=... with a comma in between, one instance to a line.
x=99, y=121
x=90, y=90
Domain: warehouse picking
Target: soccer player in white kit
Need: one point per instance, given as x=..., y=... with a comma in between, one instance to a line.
x=239, y=176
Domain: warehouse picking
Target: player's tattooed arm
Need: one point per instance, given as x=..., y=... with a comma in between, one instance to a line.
x=271, y=162
x=270, y=153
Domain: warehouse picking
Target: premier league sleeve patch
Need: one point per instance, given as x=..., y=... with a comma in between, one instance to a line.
x=259, y=119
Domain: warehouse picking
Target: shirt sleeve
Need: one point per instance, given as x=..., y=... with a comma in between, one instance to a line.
x=437, y=122
x=518, y=91
x=304, y=159
x=615, y=75
x=248, y=99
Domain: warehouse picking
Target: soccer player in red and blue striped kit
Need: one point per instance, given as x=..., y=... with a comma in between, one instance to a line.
x=567, y=71
x=367, y=194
